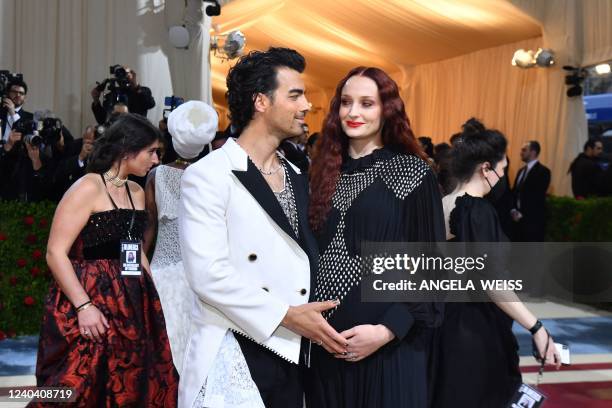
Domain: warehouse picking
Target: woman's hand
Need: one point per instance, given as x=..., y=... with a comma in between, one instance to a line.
x=364, y=340
x=551, y=355
x=92, y=323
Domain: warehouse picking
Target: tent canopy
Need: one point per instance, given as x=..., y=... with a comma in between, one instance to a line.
x=338, y=35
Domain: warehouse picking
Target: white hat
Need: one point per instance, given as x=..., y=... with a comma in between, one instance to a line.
x=192, y=125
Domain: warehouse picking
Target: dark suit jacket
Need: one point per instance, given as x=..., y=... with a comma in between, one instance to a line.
x=23, y=114
x=295, y=155
x=67, y=170
x=530, y=200
x=140, y=101
x=586, y=176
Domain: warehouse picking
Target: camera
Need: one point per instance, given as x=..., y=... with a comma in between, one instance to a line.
x=118, y=72
x=6, y=78
x=214, y=9
x=50, y=130
x=99, y=131
x=171, y=102
x=29, y=130
x=44, y=129
x=117, y=87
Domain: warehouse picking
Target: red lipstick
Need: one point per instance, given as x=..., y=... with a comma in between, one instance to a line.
x=352, y=124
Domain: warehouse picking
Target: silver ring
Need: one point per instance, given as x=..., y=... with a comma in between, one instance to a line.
x=351, y=355
x=320, y=342
x=85, y=332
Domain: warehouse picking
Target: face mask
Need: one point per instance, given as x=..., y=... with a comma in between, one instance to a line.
x=498, y=190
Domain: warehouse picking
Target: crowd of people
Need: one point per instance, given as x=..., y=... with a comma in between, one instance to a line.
x=253, y=294
x=44, y=169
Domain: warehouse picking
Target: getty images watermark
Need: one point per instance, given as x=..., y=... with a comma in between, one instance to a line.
x=428, y=264
x=482, y=272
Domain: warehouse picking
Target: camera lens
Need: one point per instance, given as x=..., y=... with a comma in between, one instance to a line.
x=33, y=139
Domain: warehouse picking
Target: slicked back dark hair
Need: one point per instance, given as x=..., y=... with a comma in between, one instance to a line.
x=535, y=146
x=253, y=74
x=475, y=145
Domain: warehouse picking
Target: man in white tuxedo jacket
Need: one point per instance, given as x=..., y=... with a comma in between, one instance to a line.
x=247, y=249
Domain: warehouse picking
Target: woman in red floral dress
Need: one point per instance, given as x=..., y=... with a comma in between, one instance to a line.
x=103, y=331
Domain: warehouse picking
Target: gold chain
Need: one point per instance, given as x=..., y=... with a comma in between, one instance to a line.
x=115, y=180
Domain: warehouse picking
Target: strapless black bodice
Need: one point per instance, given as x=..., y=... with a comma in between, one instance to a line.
x=104, y=230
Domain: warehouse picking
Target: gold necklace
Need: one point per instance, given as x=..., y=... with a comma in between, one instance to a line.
x=114, y=180
x=183, y=162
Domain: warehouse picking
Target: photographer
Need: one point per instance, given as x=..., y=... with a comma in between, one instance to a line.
x=73, y=167
x=24, y=169
x=168, y=154
x=124, y=87
x=12, y=107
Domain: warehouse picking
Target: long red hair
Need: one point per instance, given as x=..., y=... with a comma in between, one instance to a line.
x=333, y=144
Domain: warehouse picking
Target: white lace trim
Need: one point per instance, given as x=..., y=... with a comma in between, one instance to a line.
x=229, y=383
x=177, y=300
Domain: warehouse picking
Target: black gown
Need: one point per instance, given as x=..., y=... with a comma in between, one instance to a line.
x=478, y=362
x=382, y=197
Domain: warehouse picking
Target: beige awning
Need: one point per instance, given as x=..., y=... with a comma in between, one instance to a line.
x=337, y=35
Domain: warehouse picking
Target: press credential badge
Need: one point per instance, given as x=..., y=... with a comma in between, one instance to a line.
x=130, y=258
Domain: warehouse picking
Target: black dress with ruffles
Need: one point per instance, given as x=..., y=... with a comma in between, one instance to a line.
x=132, y=366
x=383, y=197
x=478, y=363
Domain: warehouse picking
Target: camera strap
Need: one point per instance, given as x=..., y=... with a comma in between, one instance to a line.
x=529, y=395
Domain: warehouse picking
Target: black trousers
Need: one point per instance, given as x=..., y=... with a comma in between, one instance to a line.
x=279, y=381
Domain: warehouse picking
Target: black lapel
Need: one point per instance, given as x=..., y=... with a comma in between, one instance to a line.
x=299, y=182
x=253, y=181
x=522, y=178
x=530, y=173
x=308, y=243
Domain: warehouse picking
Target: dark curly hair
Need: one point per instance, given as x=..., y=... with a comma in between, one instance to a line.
x=475, y=145
x=253, y=74
x=333, y=145
x=128, y=135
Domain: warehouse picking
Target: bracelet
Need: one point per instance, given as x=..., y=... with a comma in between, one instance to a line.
x=537, y=326
x=84, y=306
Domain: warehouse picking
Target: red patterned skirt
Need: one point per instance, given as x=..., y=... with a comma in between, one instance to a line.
x=132, y=367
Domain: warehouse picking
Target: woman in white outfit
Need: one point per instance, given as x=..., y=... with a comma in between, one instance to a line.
x=192, y=126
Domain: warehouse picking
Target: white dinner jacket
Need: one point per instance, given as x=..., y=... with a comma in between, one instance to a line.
x=242, y=259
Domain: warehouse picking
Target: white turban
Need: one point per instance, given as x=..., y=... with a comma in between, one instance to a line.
x=192, y=125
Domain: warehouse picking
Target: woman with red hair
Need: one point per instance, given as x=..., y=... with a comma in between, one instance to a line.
x=370, y=181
